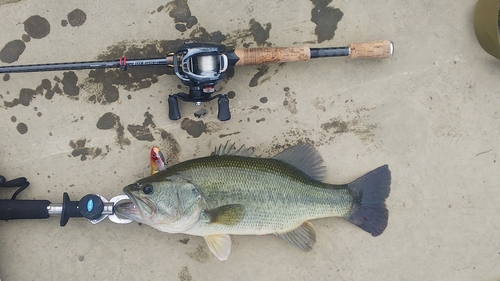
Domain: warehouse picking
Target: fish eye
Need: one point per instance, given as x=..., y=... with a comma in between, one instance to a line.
x=147, y=189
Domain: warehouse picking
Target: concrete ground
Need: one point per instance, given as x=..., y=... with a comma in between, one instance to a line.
x=431, y=112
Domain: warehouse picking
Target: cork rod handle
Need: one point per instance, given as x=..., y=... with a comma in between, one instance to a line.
x=372, y=50
x=255, y=56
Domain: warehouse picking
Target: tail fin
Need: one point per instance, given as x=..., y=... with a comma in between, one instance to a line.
x=369, y=192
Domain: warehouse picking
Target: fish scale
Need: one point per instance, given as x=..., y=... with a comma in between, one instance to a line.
x=277, y=196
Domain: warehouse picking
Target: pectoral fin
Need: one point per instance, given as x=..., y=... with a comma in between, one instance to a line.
x=227, y=214
x=302, y=237
x=219, y=245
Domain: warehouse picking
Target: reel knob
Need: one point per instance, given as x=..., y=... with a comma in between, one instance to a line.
x=224, y=114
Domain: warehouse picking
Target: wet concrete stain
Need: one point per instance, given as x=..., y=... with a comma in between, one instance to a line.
x=37, y=27
x=143, y=132
x=3, y=2
x=64, y=23
x=261, y=72
x=227, y=135
x=27, y=95
x=12, y=51
x=260, y=120
x=319, y=104
x=259, y=33
x=193, y=128
x=184, y=241
x=69, y=82
x=81, y=150
x=111, y=121
x=290, y=102
x=184, y=274
x=231, y=94
x=22, y=128
x=6, y=77
x=263, y=100
x=338, y=126
x=199, y=255
x=170, y=147
x=77, y=17
x=13, y=119
x=180, y=12
x=26, y=38
x=326, y=19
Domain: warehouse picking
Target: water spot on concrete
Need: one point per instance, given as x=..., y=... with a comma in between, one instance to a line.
x=69, y=82
x=260, y=120
x=231, y=94
x=255, y=107
x=111, y=121
x=170, y=147
x=26, y=38
x=184, y=241
x=263, y=100
x=3, y=2
x=6, y=77
x=81, y=258
x=64, y=22
x=13, y=119
x=259, y=33
x=39, y=114
x=22, y=128
x=199, y=255
x=143, y=132
x=184, y=274
x=290, y=102
x=227, y=135
x=180, y=12
x=81, y=150
x=12, y=50
x=262, y=70
x=77, y=17
x=37, y=27
x=326, y=19
x=193, y=128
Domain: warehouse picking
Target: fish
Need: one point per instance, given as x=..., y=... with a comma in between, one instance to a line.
x=157, y=160
x=233, y=192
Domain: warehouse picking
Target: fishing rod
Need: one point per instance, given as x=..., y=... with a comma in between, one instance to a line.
x=95, y=208
x=200, y=66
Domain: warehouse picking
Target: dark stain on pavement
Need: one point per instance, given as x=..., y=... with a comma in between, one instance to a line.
x=37, y=27
x=193, y=128
x=180, y=12
x=77, y=17
x=69, y=82
x=259, y=33
x=262, y=70
x=12, y=50
x=81, y=150
x=22, y=128
x=111, y=121
x=143, y=132
x=326, y=19
x=27, y=95
x=184, y=274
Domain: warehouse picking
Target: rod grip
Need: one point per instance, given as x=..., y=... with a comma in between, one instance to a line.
x=23, y=209
x=253, y=56
x=372, y=50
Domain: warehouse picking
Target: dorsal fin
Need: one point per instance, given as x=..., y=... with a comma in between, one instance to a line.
x=230, y=149
x=305, y=158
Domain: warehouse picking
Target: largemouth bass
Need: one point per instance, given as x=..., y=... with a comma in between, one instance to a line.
x=232, y=192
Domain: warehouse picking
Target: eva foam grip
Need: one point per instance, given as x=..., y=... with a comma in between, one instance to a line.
x=372, y=50
x=255, y=56
x=23, y=209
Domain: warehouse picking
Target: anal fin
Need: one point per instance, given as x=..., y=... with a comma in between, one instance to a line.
x=302, y=237
x=227, y=214
x=219, y=245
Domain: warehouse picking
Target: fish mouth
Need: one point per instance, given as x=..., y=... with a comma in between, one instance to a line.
x=142, y=207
